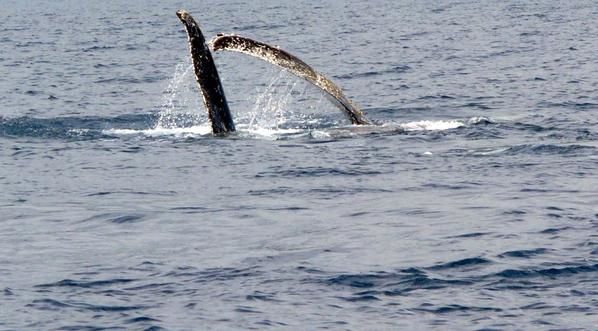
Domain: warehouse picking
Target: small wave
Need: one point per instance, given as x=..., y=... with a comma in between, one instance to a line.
x=271, y=323
x=214, y=274
x=469, y=262
x=361, y=297
x=392, y=70
x=471, y=235
x=317, y=172
x=260, y=296
x=371, y=286
x=141, y=319
x=48, y=304
x=456, y=308
x=549, y=272
x=393, y=283
x=526, y=253
x=534, y=149
x=573, y=149
x=115, y=218
x=437, y=97
x=86, y=284
x=126, y=219
x=163, y=288
x=359, y=281
x=570, y=105
x=51, y=304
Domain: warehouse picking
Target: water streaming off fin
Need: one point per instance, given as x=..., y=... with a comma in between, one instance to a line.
x=181, y=106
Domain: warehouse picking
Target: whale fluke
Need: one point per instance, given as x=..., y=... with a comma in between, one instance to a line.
x=207, y=77
x=293, y=64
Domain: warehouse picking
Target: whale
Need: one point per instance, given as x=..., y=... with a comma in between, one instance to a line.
x=294, y=65
x=210, y=85
x=207, y=77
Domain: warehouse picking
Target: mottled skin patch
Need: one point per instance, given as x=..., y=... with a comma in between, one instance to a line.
x=293, y=64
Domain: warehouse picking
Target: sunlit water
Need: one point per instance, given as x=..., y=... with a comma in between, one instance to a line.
x=469, y=204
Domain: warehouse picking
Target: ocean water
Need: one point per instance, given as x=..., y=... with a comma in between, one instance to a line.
x=470, y=204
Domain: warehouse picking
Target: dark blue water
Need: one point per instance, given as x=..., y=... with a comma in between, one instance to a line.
x=471, y=204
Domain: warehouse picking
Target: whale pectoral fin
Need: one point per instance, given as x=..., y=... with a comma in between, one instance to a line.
x=293, y=64
x=207, y=77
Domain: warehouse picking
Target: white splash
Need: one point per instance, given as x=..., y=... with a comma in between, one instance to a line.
x=269, y=133
x=431, y=125
x=479, y=120
x=193, y=131
x=276, y=114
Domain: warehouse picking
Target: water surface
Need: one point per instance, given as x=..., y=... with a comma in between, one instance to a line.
x=471, y=204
